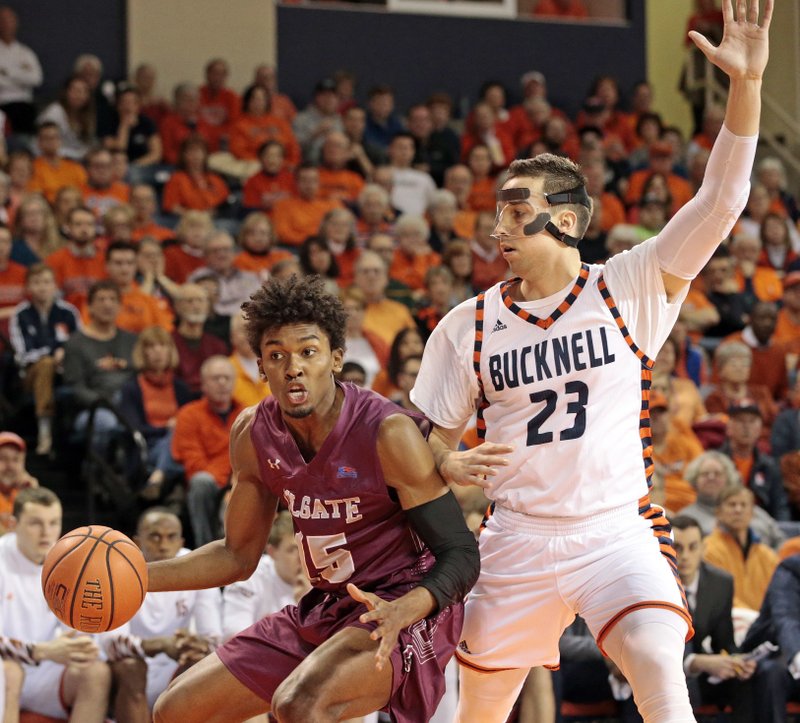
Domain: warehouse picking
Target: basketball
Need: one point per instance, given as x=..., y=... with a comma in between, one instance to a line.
x=94, y=579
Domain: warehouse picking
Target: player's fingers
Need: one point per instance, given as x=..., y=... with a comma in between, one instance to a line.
x=702, y=43
x=767, y=14
x=494, y=448
x=371, y=616
x=363, y=597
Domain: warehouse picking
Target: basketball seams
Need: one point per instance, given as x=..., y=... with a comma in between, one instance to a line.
x=109, y=548
x=56, y=563
x=80, y=574
x=142, y=591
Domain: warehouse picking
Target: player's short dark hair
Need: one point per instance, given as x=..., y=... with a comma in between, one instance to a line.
x=685, y=522
x=35, y=496
x=558, y=174
x=294, y=301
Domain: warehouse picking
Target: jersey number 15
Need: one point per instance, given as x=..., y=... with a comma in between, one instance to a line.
x=331, y=560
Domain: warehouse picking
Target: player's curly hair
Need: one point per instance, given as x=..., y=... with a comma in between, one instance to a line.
x=294, y=301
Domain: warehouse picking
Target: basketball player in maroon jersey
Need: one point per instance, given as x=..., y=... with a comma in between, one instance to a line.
x=381, y=537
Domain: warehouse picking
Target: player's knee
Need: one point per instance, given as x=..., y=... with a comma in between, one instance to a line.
x=130, y=675
x=170, y=706
x=294, y=702
x=94, y=678
x=644, y=648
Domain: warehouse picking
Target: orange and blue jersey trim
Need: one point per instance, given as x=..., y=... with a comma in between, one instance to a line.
x=480, y=303
x=559, y=311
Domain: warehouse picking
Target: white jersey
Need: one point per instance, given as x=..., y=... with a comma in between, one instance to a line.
x=565, y=379
x=247, y=601
x=24, y=614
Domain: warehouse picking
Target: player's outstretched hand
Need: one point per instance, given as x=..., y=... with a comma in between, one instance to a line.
x=474, y=466
x=390, y=616
x=744, y=49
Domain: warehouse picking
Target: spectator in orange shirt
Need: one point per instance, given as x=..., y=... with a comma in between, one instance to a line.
x=648, y=130
x=787, y=330
x=255, y=239
x=713, y=117
x=457, y=257
x=192, y=186
x=437, y=300
x=272, y=183
x=219, y=106
x=67, y=198
x=483, y=190
x=338, y=232
x=145, y=205
x=613, y=212
x=315, y=257
x=281, y=105
x=771, y=173
x=250, y=131
x=413, y=255
x=384, y=317
x=336, y=181
x=488, y=264
x=763, y=282
x=184, y=257
x=442, y=210
x=363, y=347
x=769, y=359
x=35, y=233
x=80, y=263
x=374, y=211
x=13, y=476
x=250, y=386
x=138, y=310
x=299, y=217
x=458, y=180
x=655, y=189
x=154, y=105
x=685, y=403
x=118, y=224
x=20, y=171
x=150, y=274
x=51, y=170
x=200, y=443
x=406, y=343
x=183, y=122
x=661, y=160
x=561, y=9
x=101, y=191
x=777, y=252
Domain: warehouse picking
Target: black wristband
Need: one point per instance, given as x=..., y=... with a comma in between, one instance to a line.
x=440, y=525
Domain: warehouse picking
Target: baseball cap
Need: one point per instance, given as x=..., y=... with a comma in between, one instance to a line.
x=532, y=76
x=658, y=400
x=326, y=84
x=744, y=405
x=791, y=279
x=13, y=439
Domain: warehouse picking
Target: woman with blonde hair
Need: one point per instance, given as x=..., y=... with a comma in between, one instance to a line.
x=257, y=241
x=35, y=232
x=150, y=401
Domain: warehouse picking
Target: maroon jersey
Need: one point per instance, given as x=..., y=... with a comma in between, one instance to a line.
x=349, y=526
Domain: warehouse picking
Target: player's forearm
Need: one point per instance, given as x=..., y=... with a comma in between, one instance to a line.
x=743, y=111
x=212, y=565
x=416, y=604
x=442, y=442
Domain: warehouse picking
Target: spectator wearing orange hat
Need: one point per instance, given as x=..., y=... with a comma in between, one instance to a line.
x=13, y=476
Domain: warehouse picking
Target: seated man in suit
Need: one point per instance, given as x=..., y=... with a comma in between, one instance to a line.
x=709, y=592
x=777, y=679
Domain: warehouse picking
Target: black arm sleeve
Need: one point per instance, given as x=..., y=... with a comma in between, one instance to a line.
x=440, y=525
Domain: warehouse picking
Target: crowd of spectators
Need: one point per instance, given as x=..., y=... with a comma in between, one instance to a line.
x=134, y=227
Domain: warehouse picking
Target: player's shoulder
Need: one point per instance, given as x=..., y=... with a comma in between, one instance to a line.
x=459, y=322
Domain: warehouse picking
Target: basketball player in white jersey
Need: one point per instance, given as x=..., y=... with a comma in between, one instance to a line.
x=156, y=645
x=48, y=670
x=557, y=361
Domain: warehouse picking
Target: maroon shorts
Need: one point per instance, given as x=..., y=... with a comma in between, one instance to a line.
x=264, y=654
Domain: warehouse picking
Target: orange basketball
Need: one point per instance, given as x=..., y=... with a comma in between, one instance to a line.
x=94, y=579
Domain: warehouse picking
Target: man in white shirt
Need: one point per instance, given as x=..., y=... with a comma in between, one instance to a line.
x=48, y=671
x=156, y=645
x=411, y=189
x=20, y=73
x=275, y=584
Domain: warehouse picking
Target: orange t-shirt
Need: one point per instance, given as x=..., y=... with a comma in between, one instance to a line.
x=139, y=311
x=262, y=191
x=258, y=263
x=184, y=191
x=248, y=133
x=75, y=274
x=680, y=189
x=295, y=219
x=342, y=185
x=483, y=195
x=100, y=200
x=464, y=224
x=612, y=211
x=744, y=465
x=12, y=284
x=49, y=178
x=410, y=270
x=785, y=329
x=767, y=284
x=153, y=230
x=218, y=110
x=174, y=131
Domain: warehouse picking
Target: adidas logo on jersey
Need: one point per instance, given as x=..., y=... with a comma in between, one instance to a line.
x=499, y=326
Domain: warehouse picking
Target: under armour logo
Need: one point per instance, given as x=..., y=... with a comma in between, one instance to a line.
x=274, y=463
x=499, y=326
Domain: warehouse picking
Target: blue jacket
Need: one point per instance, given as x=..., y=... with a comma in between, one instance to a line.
x=33, y=337
x=779, y=619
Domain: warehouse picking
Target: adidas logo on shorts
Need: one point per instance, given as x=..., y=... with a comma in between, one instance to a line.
x=499, y=326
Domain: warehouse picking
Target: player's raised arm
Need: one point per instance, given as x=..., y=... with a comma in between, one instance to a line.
x=248, y=520
x=434, y=514
x=689, y=239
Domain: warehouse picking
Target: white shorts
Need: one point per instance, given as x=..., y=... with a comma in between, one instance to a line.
x=43, y=690
x=538, y=573
x=160, y=672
